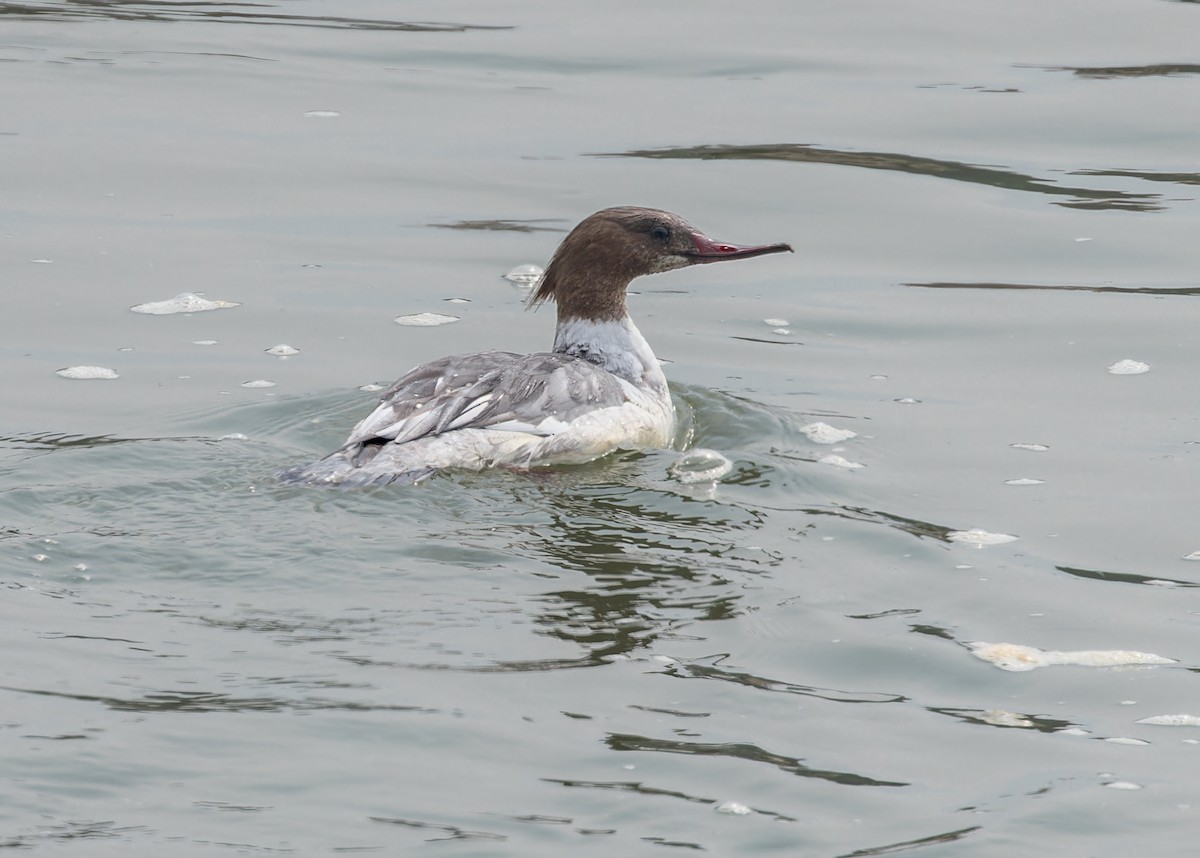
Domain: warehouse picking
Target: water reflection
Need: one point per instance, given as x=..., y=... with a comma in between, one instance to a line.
x=211, y=701
x=1145, y=175
x=641, y=789
x=1081, y=197
x=741, y=751
x=1003, y=718
x=711, y=670
x=1126, y=577
x=905, y=845
x=531, y=225
x=236, y=13
x=1103, y=72
x=1058, y=287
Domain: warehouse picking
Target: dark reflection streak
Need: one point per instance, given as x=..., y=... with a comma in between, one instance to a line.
x=891, y=612
x=1130, y=290
x=629, y=786
x=899, y=162
x=741, y=751
x=703, y=671
x=947, y=837
x=454, y=832
x=54, y=441
x=77, y=10
x=1176, y=178
x=642, y=789
x=768, y=342
x=199, y=54
x=207, y=701
x=1017, y=721
x=1125, y=577
x=503, y=225
x=933, y=631
x=1108, y=72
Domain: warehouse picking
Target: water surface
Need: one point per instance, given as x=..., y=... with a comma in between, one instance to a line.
x=990, y=205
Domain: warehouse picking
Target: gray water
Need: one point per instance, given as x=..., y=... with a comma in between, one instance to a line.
x=992, y=204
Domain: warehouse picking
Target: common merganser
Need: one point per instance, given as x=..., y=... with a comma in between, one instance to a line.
x=598, y=390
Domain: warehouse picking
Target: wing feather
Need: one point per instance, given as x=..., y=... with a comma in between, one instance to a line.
x=539, y=394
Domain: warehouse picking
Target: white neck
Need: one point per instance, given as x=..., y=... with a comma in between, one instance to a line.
x=617, y=346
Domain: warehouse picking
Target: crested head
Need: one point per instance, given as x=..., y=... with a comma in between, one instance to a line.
x=597, y=260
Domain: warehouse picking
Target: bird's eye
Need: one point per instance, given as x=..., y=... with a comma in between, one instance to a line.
x=660, y=232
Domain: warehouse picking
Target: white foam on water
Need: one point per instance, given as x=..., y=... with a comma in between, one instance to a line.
x=184, y=302
x=1017, y=657
x=87, y=373
x=823, y=433
x=1128, y=367
x=979, y=538
x=840, y=462
x=1181, y=720
x=425, y=320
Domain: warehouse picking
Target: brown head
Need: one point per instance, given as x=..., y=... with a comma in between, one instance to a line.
x=597, y=260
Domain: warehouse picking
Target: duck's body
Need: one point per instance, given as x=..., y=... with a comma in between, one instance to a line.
x=601, y=388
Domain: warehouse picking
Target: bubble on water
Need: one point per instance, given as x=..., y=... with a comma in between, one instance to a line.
x=1126, y=740
x=776, y=323
x=205, y=342
x=41, y=261
x=234, y=436
x=1024, y=481
x=322, y=114
x=823, y=433
x=1034, y=448
x=85, y=373
x=907, y=400
x=1129, y=367
x=370, y=388
x=979, y=538
x=457, y=300
x=184, y=302
x=425, y=320
x=282, y=350
x=700, y=466
x=258, y=383
x=525, y=276
x=840, y=462
x=1125, y=785
x=1195, y=555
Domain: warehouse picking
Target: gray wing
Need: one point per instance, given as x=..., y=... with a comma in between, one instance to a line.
x=536, y=393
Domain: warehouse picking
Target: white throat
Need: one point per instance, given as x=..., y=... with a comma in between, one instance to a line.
x=616, y=346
